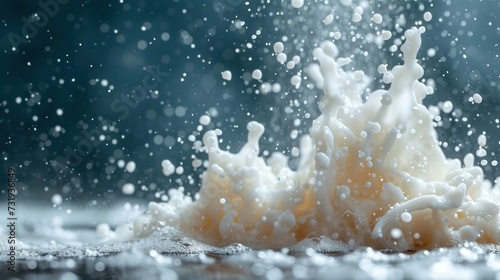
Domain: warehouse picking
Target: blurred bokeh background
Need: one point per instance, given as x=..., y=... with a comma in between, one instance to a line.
x=97, y=94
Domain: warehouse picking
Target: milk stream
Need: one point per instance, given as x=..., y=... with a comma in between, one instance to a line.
x=371, y=173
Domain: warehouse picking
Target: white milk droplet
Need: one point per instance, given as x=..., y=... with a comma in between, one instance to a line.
x=406, y=217
x=382, y=68
x=387, y=78
x=265, y=88
x=447, y=107
x=396, y=233
x=477, y=98
x=386, y=35
x=427, y=16
x=377, y=18
x=227, y=75
x=278, y=47
x=359, y=10
x=257, y=74
x=328, y=19
x=276, y=88
x=179, y=170
x=168, y=167
x=431, y=52
x=356, y=17
x=281, y=58
x=296, y=80
x=205, y=120
x=130, y=167
x=297, y=3
x=57, y=199
x=481, y=140
x=481, y=152
x=128, y=188
x=469, y=233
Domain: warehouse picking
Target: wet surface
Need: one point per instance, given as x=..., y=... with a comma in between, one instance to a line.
x=169, y=255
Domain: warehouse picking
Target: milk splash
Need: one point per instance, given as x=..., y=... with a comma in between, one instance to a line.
x=371, y=173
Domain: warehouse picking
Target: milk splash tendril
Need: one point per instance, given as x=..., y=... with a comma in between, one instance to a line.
x=371, y=173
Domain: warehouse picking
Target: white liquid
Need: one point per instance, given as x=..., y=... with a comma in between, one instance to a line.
x=227, y=75
x=377, y=18
x=356, y=17
x=257, y=74
x=128, y=188
x=427, y=16
x=371, y=173
x=278, y=47
x=297, y=3
x=328, y=19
